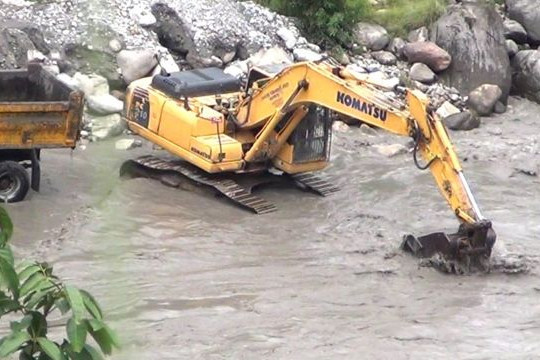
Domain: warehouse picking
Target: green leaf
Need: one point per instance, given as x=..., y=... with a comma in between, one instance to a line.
x=7, y=254
x=8, y=277
x=102, y=339
x=38, y=328
x=33, y=301
x=75, y=301
x=6, y=226
x=28, y=271
x=76, y=334
x=62, y=305
x=7, y=305
x=51, y=349
x=32, y=284
x=91, y=305
x=13, y=342
x=104, y=336
x=23, y=324
x=95, y=355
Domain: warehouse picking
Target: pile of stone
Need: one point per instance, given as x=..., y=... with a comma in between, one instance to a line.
x=464, y=68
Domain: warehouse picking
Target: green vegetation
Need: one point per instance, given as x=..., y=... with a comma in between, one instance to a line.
x=401, y=16
x=326, y=22
x=331, y=22
x=34, y=293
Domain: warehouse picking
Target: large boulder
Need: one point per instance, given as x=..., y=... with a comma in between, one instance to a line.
x=14, y=47
x=104, y=104
x=395, y=46
x=527, y=13
x=478, y=56
x=515, y=31
x=135, y=64
x=483, y=99
x=428, y=53
x=526, y=68
x=306, y=55
x=372, y=36
x=171, y=31
x=384, y=57
x=463, y=121
x=421, y=72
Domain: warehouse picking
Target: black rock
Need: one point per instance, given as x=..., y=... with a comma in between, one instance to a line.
x=462, y=121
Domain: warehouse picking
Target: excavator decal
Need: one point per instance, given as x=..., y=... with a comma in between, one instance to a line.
x=362, y=106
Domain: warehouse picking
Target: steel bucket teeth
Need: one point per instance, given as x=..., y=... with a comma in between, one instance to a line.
x=472, y=244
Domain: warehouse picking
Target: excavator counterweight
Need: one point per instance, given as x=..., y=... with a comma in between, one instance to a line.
x=222, y=130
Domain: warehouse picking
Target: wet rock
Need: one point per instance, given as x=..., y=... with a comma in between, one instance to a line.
x=384, y=57
x=135, y=64
x=144, y=17
x=421, y=72
x=340, y=126
x=514, y=31
x=166, y=62
x=104, y=104
x=421, y=34
x=483, y=99
x=499, y=108
x=104, y=127
x=288, y=37
x=463, y=121
x=526, y=164
x=368, y=130
x=116, y=45
x=374, y=37
x=272, y=56
x=446, y=109
x=396, y=46
x=526, y=68
x=527, y=13
x=68, y=80
x=478, y=56
x=92, y=84
x=171, y=30
x=306, y=55
x=427, y=53
x=391, y=150
x=90, y=60
x=511, y=48
x=120, y=95
x=127, y=144
x=14, y=47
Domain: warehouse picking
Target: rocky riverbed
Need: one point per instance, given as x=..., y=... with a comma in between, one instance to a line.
x=466, y=70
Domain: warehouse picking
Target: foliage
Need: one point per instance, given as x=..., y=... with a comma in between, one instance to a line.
x=399, y=17
x=33, y=292
x=326, y=22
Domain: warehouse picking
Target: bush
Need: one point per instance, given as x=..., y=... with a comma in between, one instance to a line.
x=326, y=22
x=401, y=16
x=34, y=293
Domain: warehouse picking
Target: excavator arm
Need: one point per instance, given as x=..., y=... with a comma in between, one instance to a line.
x=347, y=93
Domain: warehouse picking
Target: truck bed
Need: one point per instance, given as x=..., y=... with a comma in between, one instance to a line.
x=37, y=110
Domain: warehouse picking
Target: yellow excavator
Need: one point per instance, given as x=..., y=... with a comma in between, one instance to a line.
x=225, y=133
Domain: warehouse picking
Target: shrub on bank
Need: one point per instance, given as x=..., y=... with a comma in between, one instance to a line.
x=328, y=22
x=34, y=293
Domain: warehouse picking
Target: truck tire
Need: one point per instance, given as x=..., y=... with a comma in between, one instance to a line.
x=14, y=182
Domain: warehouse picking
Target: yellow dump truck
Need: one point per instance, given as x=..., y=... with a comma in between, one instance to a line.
x=37, y=111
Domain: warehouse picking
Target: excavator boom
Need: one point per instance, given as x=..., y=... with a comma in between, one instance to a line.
x=348, y=94
x=281, y=121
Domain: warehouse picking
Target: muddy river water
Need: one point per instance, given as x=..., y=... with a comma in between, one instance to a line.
x=185, y=276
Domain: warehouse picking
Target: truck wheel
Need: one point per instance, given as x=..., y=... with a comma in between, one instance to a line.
x=14, y=181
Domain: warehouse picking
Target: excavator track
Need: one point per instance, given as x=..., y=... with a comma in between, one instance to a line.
x=315, y=184
x=237, y=190
x=227, y=187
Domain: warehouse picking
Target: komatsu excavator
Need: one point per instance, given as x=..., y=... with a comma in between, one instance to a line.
x=224, y=131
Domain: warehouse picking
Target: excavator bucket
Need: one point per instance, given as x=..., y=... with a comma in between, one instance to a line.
x=470, y=246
